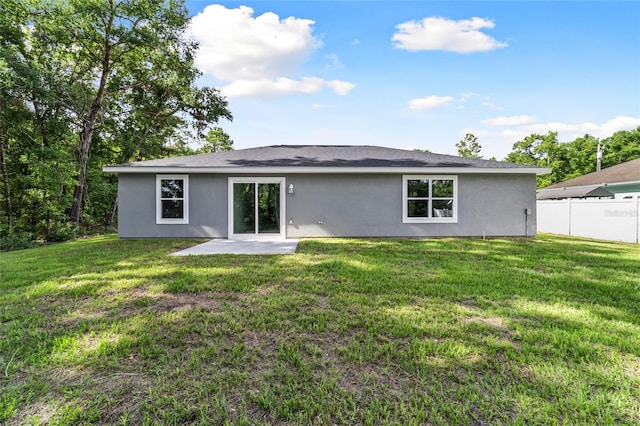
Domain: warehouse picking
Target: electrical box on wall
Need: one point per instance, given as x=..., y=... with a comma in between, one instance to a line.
x=527, y=211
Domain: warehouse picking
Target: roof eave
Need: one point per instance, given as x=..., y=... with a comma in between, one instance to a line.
x=573, y=192
x=326, y=170
x=622, y=183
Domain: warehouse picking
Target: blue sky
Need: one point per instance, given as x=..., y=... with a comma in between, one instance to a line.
x=420, y=74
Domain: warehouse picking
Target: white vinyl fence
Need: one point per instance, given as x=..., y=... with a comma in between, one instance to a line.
x=615, y=220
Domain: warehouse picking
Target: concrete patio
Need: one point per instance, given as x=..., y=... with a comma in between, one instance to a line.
x=224, y=246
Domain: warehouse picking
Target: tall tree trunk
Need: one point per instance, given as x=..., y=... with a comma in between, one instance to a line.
x=84, y=142
x=112, y=215
x=5, y=182
x=84, y=147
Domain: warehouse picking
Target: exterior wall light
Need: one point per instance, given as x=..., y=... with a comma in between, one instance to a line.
x=291, y=188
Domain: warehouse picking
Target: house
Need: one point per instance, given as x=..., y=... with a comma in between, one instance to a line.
x=292, y=191
x=621, y=181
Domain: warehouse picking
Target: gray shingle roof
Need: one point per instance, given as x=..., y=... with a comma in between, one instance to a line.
x=322, y=156
x=625, y=172
x=573, y=192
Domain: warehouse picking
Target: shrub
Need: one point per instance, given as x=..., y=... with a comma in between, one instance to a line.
x=16, y=241
x=62, y=232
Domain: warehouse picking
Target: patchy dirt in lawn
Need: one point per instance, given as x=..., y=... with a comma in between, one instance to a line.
x=187, y=301
x=496, y=322
x=119, y=393
x=129, y=302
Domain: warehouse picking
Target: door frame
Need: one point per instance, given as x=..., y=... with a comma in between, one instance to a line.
x=256, y=235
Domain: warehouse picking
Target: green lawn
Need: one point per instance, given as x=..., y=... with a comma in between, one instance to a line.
x=346, y=331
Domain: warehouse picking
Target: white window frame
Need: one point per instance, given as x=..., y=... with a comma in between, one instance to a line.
x=405, y=199
x=256, y=236
x=185, y=204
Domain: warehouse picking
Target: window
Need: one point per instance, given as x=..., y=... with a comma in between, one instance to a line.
x=429, y=199
x=172, y=199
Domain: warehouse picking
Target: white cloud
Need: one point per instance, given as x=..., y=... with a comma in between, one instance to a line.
x=254, y=55
x=437, y=33
x=234, y=45
x=430, y=102
x=598, y=130
x=514, y=120
x=334, y=62
x=284, y=86
x=340, y=87
x=476, y=132
x=514, y=135
x=618, y=123
x=467, y=95
x=266, y=87
x=491, y=105
x=324, y=106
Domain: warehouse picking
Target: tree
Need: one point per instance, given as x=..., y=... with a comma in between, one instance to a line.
x=217, y=140
x=12, y=108
x=34, y=128
x=543, y=151
x=117, y=50
x=469, y=146
x=84, y=84
x=620, y=147
x=581, y=156
x=575, y=158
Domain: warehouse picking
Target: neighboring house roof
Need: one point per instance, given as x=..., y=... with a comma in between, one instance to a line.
x=604, y=183
x=622, y=173
x=322, y=159
x=573, y=192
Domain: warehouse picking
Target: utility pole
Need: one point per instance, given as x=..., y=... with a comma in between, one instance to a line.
x=599, y=158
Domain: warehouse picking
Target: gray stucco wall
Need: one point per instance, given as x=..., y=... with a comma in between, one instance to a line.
x=347, y=205
x=137, y=207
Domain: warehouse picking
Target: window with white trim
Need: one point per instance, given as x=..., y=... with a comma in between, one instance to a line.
x=429, y=199
x=172, y=199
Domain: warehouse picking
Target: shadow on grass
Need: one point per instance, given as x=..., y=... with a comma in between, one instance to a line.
x=345, y=331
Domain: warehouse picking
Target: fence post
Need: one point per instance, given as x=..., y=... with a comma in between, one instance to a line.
x=570, y=218
x=637, y=219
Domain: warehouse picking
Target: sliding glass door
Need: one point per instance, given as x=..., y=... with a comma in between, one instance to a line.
x=256, y=207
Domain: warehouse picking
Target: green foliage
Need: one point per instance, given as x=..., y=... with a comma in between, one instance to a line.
x=15, y=240
x=469, y=146
x=576, y=158
x=62, y=232
x=543, y=151
x=620, y=147
x=581, y=156
x=217, y=140
x=85, y=84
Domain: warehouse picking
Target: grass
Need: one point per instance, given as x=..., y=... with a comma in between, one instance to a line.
x=346, y=331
